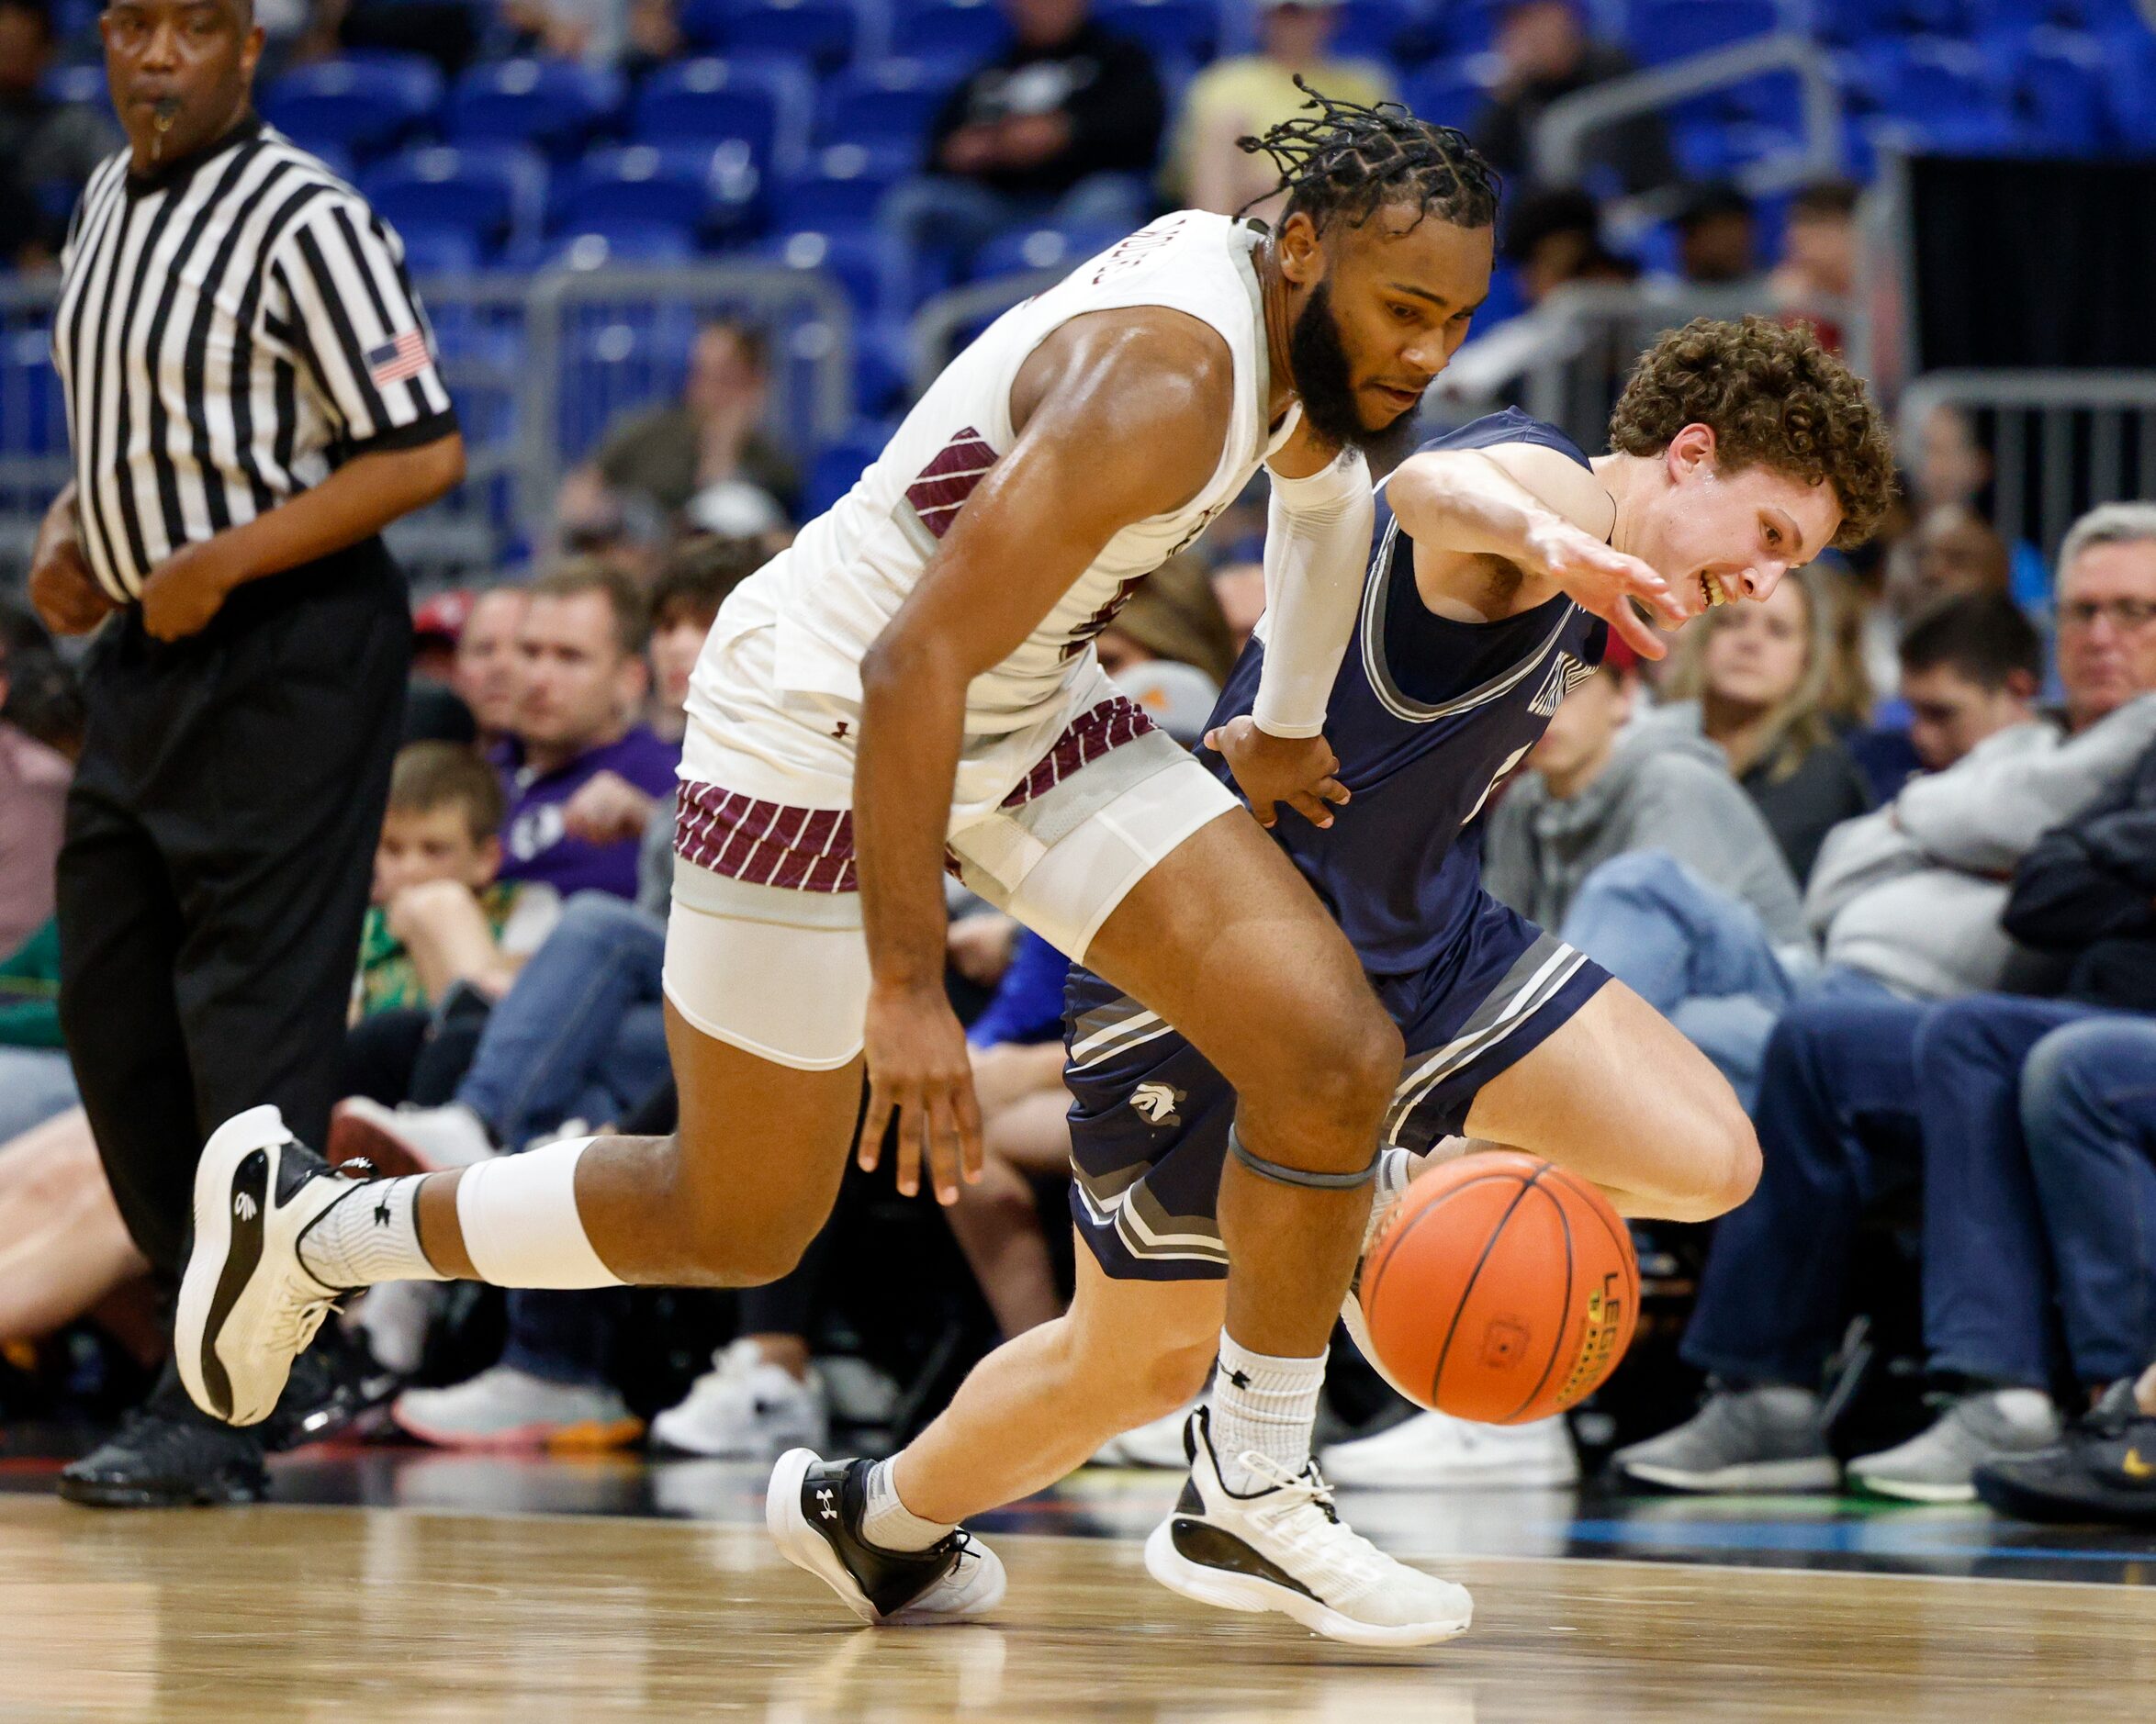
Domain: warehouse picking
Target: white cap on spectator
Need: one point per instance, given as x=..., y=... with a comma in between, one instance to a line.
x=734, y=509
x=1178, y=697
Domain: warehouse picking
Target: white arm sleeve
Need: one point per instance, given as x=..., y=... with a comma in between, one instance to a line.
x=1317, y=545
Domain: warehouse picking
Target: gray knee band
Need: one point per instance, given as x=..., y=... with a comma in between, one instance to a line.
x=1281, y=1175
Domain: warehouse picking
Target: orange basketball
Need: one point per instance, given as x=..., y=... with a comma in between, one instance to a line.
x=1503, y=1290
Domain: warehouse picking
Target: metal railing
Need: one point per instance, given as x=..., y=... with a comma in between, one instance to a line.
x=538, y=366
x=1560, y=142
x=2060, y=442
x=1568, y=361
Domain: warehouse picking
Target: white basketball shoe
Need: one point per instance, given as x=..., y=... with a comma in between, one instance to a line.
x=814, y=1510
x=1283, y=1548
x=248, y=1306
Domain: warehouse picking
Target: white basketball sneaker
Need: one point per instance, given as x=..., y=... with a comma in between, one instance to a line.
x=1436, y=1452
x=743, y=1408
x=814, y=1510
x=1283, y=1548
x=248, y=1307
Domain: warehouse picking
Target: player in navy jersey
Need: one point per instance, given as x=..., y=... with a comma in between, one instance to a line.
x=1739, y=452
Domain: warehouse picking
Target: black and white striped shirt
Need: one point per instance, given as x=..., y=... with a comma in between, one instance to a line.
x=231, y=331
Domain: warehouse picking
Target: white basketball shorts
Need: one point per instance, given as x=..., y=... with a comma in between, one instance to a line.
x=764, y=946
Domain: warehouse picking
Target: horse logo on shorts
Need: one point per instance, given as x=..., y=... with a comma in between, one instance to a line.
x=1156, y=1102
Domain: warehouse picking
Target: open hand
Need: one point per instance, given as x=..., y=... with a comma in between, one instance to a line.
x=1605, y=582
x=920, y=1068
x=1270, y=770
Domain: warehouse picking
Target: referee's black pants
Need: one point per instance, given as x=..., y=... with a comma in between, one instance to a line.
x=221, y=838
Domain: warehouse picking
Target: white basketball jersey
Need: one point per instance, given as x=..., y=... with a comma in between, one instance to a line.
x=849, y=569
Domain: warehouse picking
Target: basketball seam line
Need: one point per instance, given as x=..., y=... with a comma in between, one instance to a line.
x=1564, y=1309
x=1468, y=1291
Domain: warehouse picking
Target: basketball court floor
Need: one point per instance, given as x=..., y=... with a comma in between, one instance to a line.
x=396, y=1584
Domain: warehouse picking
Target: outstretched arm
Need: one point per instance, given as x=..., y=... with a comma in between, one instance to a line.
x=1472, y=503
x=1120, y=416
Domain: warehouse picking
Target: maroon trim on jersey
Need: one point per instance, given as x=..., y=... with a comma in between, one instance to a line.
x=946, y=482
x=765, y=844
x=811, y=849
x=1108, y=725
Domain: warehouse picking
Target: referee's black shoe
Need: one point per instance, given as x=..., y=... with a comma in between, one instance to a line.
x=167, y=1454
x=2102, y=1468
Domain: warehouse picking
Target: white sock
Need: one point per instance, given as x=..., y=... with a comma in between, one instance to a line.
x=372, y=1234
x=1262, y=1406
x=889, y=1524
x=518, y=1216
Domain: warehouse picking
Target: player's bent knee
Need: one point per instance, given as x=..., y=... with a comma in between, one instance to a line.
x=1341, y=1073
x=1724, y=1160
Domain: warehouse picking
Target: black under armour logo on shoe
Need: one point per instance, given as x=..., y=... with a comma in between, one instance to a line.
x=1241, y=1379
x=382, y=1213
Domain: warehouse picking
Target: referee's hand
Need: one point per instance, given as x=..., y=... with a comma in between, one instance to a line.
x=186, y=590
x=65, y=593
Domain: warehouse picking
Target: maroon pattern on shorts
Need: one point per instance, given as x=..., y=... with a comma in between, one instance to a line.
x=1108, y=725
x=765, y=844
x=946, y=482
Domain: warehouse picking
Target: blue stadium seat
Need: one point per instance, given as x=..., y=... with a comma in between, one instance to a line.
x=364, y=104
x=889, y=103
x=764, y=102
x=858, y=258
x=604, y=244
x=2129, y=67
x=84, y=84
x=882, y=367
x=1464, y=27
x=697, y=187
x=1185, y=27
x=841, y=185
x=1670, y=30
x=970, y=30
x=828, y=32
x=1379, y=29
x=840, y=463
x=551, y=103
x=2060, y=84
x=33, y=410
x=432, y=249
x=1448, y=92
x=496, y=193
x=1042, y=247
x=1948, y=94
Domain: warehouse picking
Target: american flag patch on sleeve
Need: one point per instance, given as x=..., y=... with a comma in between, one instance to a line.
x=394, y=361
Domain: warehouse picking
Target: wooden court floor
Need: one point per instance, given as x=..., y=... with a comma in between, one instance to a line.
x=331, y=1613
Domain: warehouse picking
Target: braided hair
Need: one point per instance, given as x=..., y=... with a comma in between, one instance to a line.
x=1339, y=161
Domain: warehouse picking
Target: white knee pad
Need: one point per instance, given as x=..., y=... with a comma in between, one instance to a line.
x=518, y=1215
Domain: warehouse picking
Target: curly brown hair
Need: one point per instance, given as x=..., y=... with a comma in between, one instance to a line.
x=1773, y=396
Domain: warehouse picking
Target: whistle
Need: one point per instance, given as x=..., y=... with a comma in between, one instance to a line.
x=167, y=110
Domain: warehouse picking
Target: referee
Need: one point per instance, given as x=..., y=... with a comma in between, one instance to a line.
x=251, y=396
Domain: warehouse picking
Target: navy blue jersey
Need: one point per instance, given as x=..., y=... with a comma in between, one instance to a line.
x=1426, y=715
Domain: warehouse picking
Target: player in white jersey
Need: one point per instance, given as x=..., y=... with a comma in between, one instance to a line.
x=914, y=682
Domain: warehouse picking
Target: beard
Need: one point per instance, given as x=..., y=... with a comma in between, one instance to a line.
x=1324, y=379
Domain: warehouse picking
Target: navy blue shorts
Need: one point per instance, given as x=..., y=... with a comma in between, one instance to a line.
x=1149, y=1115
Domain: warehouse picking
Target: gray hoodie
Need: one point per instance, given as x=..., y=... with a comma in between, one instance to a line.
x=1912, y=893
x=1661, y=791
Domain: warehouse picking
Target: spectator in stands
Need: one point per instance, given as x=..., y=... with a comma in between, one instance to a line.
x=1819, y=253
x=1245, y=95
x=1971, y=667
x=1760, y=681
x=1543, y=53
x=1948, y=549
x=585, y=774
x=2088, y=1104
x=63, y=1247
x=47, y=148
x=1239, y=588
x=1612, y=833
x=1950, y=468
x=40, y=727
x=684, y=603
x=1717, y=237
x=439, y=916
x=654, y=463
x=489, y=670
x=1064, y=127
x=1911, y=900
x=2086, y=896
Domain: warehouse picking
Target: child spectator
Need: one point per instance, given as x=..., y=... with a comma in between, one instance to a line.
x=439, y=914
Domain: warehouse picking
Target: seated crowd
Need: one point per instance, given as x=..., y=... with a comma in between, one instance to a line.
x=1914, y=923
